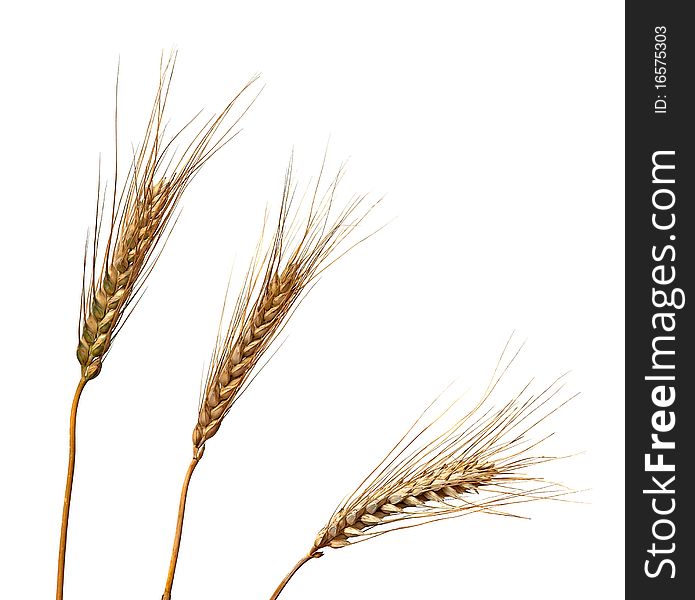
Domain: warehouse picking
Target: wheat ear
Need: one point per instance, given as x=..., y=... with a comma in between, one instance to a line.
x=476, y=465
x=127, y=242
x=275, y=284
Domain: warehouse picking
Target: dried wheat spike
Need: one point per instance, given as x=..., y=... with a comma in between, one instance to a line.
x=476, y=465
x=127, y=240
x=274, y=285
x=120, y=275
x=140, y=221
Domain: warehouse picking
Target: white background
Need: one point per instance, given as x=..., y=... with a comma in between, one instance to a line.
x=495, y=131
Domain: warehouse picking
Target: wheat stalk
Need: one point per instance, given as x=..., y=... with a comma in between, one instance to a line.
x=275, y=284
x=127, y=241
x=476, y=465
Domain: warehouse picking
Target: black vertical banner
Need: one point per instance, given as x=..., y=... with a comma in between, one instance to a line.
x=660, y=267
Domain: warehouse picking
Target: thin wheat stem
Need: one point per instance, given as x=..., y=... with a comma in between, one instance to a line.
x=68, y=489
x=289, y=576
x=179, y=527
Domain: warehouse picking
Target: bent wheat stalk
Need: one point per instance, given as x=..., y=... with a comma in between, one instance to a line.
x=476, y=465
x=139, y=221
x=275, y=284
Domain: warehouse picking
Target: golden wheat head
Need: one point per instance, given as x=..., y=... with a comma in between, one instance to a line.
x=128, y=239
x=477, y=465
x=277, y=280
x=303, y=245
